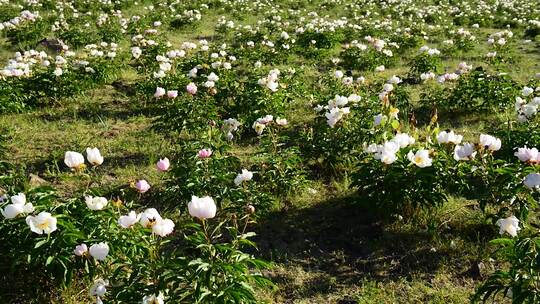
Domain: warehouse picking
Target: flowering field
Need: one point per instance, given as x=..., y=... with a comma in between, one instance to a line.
x=269, y=151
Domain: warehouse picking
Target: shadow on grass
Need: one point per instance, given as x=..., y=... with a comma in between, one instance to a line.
x=342, y=242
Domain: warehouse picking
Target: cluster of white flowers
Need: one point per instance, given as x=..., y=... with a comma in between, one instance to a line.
x=386, y=152
x=24, y=18
x=150, y=218
x=336, y=108
x=527, y=104
x=75, y=160
x=429, y=51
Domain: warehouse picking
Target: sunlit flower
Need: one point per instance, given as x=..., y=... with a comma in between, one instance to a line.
x=446, y=137
x=420, y=158
x=490, y=142
x=127, y=221
x=242, y=177
x=403, y=140
x=202, y=207
x=153, y=299
x=163, y=164
x=204, y=153
x=160, y=92
x=149, y=217
x=163, y=227
x=96, y=202
x=99, y=251
x=44, y=222
x=94, y=156
x=80, y=250
x=509, y=225
x=191, y=88
x=74, y=160
x=528, y=155
x=172, y=94
x=142, y=186
x=464, y=152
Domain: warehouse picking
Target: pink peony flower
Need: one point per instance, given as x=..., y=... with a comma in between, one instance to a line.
x=142, y=186
x=163, y=164
x=191, y=88
x=172, y=94
x=204, y=153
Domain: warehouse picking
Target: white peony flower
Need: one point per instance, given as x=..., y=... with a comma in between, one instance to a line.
x=149, y=217
x=127, y=221
x=403, y=140
x=99, y=251
x=202, y=207
x=80, y=250
x=490, y=142
x=420, y=158
x=464, y=152
x=94, y=156
x=96, y=202
x=74, y=160
x=528, y=155
x=44, y=222
x=163, y=227
x=445, y=137
x=509, y=225
x=242, y=177
x=99, y=289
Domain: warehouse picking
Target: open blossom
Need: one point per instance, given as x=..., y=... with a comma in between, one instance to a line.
x=532, y=181
x=96, y=202
x=94, y=156
x=18, y=206
x=172, y=94
x=191, y=88
x=74, y=160
x=153, y=299
x=202, y=207
x=509, y=225
x=446, y=137
x=420, y=158
x=142, y=186
x=163, y=164
x=528, y=155
x=129, y=220
x=149, y=217
x=44, y=222
x=99, y=251
x=490, y=142
x=258, y=127
x=163, y=227
x=242, y=177
x=160, y=92
x=80, y=250
x=464, y=152
x=204, y=153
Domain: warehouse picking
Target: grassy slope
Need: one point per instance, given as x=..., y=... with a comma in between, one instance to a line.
x=325, y=251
